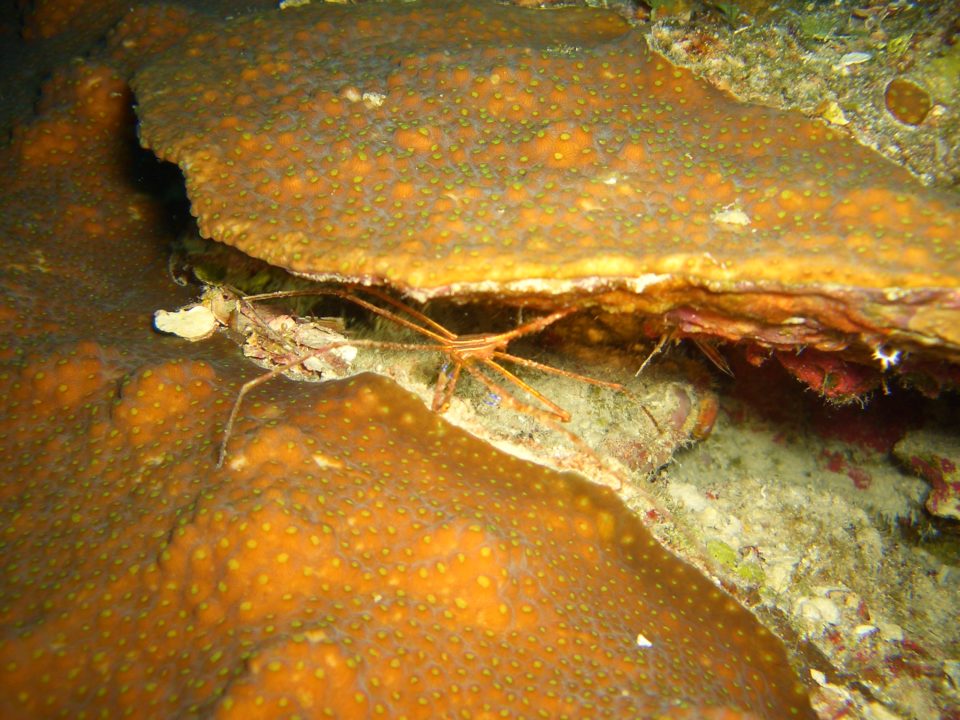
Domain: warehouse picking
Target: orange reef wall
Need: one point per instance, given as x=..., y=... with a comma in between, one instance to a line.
x=356, y=556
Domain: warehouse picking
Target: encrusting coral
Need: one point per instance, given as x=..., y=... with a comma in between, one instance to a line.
x=357, y=556
x=455, y=149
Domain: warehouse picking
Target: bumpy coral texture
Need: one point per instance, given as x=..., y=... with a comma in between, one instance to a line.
x=356, y=557
x=47, y=18
x=359, y=557
x=454, y=147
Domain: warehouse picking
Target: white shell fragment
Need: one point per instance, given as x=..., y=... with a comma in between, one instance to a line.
x=819, y=611
x=193, y=323
x=853, y=58
x=731, y=215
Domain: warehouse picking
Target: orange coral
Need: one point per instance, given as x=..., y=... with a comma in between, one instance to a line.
x=47, y=18
x=476, y=148
x=146, y=30
x=360, y=556
x=78, y=109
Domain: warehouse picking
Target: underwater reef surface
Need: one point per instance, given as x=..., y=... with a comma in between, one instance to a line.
x=356, y=554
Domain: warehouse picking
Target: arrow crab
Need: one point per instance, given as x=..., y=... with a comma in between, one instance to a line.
x=523, y=399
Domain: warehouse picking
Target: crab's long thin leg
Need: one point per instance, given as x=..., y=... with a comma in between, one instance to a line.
x=475, y=344
x=549, y=420
x=284, y=367
x=446, y=384
x=527, y=362
x=554, y=409
x=437, y=327
x=557, y=410
x=244, y=389
x=714, y=356
x=440, y=334
x=664, y=338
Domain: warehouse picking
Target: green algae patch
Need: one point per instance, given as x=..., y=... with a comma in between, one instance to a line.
x=747, y=570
